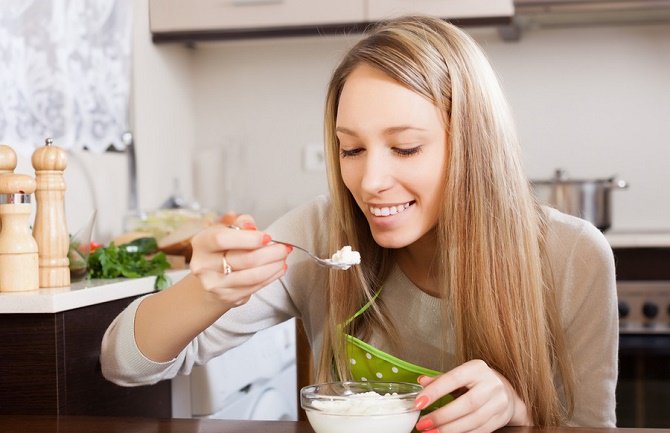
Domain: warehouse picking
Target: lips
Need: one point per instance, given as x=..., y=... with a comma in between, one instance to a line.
x=384, y=211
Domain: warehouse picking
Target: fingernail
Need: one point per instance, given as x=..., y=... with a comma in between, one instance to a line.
x=249, y=226
x=285, y=266
x=289, y=248
x=424, y=424
x=266, y=239
x=420, y=378
x=421, y=402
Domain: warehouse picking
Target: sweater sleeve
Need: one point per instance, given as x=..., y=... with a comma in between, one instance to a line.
x=586, y=292
x=124, y=364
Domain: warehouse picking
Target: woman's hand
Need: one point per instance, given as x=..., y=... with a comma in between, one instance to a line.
x=253, y=261
x=486, y=403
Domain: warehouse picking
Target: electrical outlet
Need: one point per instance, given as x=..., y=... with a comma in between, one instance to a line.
x=313, y=158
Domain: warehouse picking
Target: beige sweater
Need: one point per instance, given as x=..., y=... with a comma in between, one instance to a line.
x=585, y=281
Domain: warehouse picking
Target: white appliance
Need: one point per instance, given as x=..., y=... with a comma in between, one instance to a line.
x=256, y=380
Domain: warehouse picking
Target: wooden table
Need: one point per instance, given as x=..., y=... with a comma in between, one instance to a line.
x=83, y=424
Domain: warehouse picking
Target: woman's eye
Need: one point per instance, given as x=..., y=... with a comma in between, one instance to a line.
x=345, y=153
x=407, y=152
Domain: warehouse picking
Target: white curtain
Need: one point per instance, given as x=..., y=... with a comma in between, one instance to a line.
x=64, y=73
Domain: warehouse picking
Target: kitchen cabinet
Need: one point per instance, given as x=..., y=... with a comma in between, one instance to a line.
x=50, y=349
x=208, y=15
x=452, y=9
x=197, y=20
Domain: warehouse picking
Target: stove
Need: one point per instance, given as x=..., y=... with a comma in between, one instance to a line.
x=644, y=307
x=643, y=287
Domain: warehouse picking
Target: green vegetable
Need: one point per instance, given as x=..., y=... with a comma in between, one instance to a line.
x=143, y=246
x=115, y=262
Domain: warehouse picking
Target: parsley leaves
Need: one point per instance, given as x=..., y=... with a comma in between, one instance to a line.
x=129, y=261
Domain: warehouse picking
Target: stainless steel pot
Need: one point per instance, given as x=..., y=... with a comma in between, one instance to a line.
x=585, y=198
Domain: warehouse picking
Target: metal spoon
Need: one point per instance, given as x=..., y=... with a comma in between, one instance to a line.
x=329, y=263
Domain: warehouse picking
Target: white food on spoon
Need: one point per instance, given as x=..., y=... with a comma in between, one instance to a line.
x=346, y=257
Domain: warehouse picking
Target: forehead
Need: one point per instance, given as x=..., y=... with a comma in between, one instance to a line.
x=371, y=99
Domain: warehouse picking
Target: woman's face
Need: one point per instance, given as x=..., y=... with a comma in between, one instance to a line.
x=392, y=155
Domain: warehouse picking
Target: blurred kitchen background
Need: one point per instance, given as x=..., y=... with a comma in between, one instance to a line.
x=236, y=125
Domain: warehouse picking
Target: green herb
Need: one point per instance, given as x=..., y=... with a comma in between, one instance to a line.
x=115, y=262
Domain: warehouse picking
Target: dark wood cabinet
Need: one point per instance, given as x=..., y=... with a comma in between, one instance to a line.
x=49, y=365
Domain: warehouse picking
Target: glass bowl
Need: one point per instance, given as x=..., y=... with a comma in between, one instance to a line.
x=361, y=407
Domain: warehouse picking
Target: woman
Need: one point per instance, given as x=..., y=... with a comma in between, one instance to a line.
x=477, y=290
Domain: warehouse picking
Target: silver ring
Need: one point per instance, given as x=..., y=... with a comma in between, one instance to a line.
x=227, y=270
x=233, y=227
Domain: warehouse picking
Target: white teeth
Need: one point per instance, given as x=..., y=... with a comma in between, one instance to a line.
x=386, y=211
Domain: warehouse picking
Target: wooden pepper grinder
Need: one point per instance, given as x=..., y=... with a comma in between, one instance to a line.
x=7, y=161
x=50, y=228
x=19, y=269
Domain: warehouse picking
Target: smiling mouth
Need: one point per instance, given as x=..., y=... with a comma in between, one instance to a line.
x=390, y=210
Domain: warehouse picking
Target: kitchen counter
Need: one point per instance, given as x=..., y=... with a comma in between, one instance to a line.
x=50, y=341
x=70, y=424
x=638, y=239
x=80, y=294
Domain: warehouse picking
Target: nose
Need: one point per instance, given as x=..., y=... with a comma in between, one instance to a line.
x=377, y=173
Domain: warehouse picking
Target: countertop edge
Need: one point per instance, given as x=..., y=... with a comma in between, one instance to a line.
x=640, y=239
x=79, y=295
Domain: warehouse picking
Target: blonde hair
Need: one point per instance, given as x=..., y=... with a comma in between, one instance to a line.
x=492, y=261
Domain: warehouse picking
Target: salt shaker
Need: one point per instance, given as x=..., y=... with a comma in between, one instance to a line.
x=50, y=228
x=19, y=269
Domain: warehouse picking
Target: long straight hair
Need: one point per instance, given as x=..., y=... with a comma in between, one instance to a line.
x=491, y=250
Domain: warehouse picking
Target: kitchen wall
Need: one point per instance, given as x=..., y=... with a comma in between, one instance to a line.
x=592, y=100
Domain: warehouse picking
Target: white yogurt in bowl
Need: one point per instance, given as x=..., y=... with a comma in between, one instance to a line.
x=361, y=407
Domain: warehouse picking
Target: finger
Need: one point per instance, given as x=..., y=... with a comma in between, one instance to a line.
x=466, y=413
x=463, y=376
x=212, y=282
x=245, y=222
x=254, y=276
x=248, y=292
x=222, y=238
x=228, y=218
x=237, y=259
x=425, y=380
x=238, y=295
x=243, y=259
x=468, y=423
x=486, y=418
x=242, y=279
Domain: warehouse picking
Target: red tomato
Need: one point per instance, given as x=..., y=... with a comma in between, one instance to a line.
x=94, y=246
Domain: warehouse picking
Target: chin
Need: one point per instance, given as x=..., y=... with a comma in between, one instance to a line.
x=388, y=240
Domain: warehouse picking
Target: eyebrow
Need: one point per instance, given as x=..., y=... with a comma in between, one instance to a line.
x=388, y=131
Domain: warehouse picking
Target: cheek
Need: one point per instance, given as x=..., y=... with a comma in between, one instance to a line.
x=435, y=184
x=349, y=176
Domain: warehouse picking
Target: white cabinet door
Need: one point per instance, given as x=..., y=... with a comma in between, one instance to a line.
x=452, y=9
x=199, y=15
